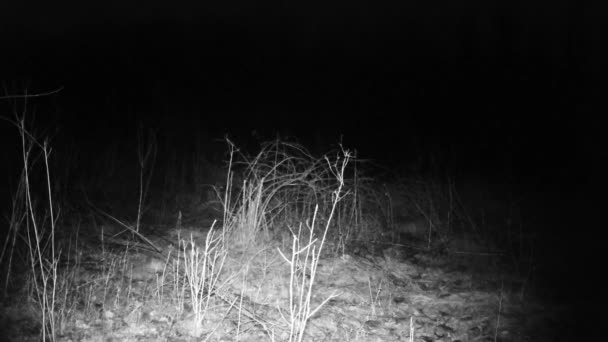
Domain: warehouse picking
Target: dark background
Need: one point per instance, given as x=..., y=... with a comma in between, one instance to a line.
x=506, y=94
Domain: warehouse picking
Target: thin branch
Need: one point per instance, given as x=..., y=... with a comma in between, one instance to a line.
x=27, y=96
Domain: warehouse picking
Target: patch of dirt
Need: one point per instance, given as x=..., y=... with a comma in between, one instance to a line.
x=384, y=293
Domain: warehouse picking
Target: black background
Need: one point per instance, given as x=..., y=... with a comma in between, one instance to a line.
x=503, y=92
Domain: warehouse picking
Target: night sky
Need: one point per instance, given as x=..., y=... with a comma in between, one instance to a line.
x=508, y=92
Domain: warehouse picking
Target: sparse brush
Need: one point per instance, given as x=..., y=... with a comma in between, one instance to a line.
x=305, y=255
x=202, y=268
x=282, y=186
x=39, y=231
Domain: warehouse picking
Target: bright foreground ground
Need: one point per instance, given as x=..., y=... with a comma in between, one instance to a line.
x=381, y=292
